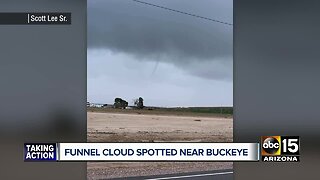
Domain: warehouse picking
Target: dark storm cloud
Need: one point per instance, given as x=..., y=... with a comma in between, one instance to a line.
x=154, y=34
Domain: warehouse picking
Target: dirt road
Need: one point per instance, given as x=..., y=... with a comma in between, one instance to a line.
x=121, y=127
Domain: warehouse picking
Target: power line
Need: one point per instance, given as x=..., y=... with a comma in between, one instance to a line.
x=181, y=12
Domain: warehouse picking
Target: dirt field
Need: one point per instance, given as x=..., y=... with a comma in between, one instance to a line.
x=122, y=127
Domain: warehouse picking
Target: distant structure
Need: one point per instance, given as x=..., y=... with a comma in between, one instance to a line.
x=119, y=103
x=108, y=106
x=94, y=104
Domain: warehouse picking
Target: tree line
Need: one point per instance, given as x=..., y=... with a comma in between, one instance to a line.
x=120, y=103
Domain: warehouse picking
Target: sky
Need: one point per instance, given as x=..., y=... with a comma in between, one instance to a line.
x=167, y=58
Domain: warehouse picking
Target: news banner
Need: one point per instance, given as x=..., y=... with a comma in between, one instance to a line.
x=270, y=149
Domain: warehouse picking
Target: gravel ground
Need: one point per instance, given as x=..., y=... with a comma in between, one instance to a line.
x=105, y=170
x=121, y=127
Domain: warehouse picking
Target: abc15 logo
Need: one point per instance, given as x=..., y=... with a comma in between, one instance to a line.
x=280, y=145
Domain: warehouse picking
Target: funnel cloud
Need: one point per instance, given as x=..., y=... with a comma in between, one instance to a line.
x=168, y=58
